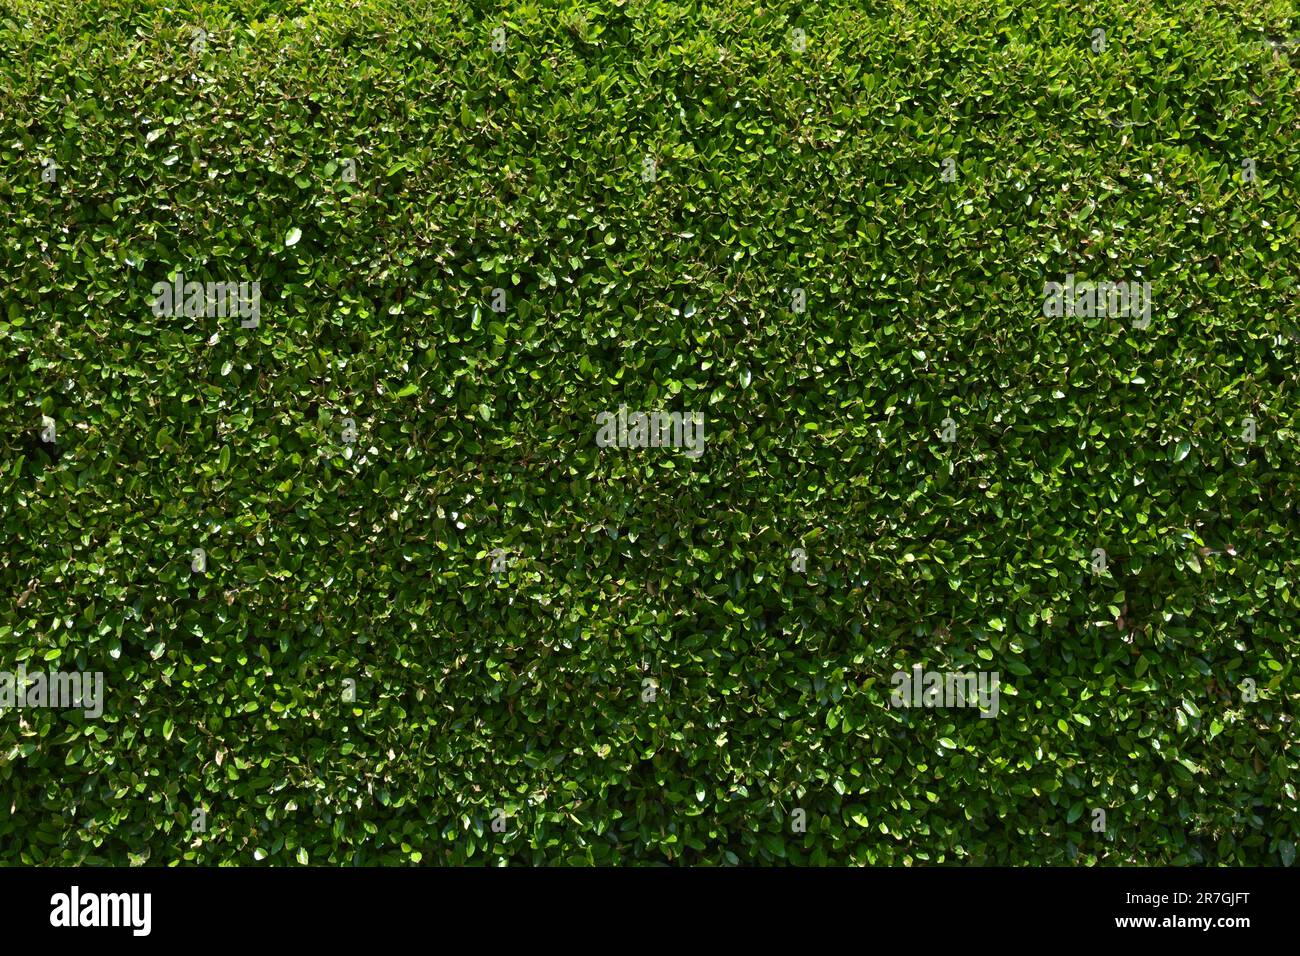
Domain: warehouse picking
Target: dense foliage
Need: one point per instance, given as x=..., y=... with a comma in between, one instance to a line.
x=649, y=680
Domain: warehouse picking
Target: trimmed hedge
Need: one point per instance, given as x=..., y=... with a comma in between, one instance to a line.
x=649, y=679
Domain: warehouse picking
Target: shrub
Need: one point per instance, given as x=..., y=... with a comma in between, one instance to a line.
x=464, y=255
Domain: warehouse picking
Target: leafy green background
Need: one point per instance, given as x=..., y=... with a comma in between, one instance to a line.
x=776, y=170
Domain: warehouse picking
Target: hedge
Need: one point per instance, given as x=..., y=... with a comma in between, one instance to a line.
x=431, y=619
